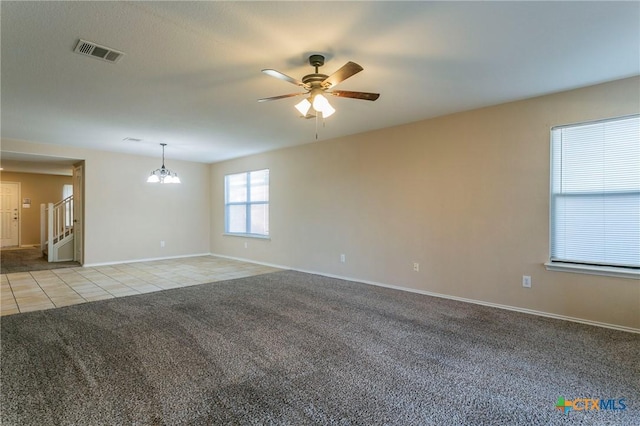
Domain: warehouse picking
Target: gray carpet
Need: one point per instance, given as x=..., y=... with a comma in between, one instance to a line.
x=28, y=259
x=290, y=348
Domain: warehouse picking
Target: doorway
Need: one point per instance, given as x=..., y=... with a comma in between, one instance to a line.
x=14, y=251
x=27, y=259
x=9, y=214
x=78, y=212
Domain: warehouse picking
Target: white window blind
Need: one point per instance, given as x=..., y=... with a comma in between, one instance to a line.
x=595, y=193
x=247, y=203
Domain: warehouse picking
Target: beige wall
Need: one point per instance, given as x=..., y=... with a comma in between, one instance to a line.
x=465, y=195
x=125, y=217
x=41, y=189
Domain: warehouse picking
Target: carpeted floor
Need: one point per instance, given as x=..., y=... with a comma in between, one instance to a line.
x=28, y=259
x=290, y=348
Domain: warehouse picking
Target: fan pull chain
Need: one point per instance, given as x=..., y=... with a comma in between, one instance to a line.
x=317, y=125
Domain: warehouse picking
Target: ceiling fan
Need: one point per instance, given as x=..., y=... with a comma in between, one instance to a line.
x=317, y=85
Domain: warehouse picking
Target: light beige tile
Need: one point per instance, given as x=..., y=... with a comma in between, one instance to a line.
x=114, y=287
x=29, y=294
x=24, y=286
x=185, y=282
x=8, y=304
x=167, y=285
x=122, y=292
x=22, y=283
x=149, y=289
x=9, y=311
x=99, y=297
x=131, y=280
x=55, y=286
x=32, y=301
x=35, y=290
x=91, y=296
x=50, y=281
x=6, y=295
x=87, y=288
x=31, y=308
x=67, y=301
x=76, y=281
x=17, y=276
x=139, y=285
x=42, y=274
x=83, y=285
x=62, y=294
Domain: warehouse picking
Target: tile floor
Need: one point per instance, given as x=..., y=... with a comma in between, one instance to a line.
x=37, y=290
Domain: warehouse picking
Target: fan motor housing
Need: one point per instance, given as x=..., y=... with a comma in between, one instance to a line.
x=314, y=79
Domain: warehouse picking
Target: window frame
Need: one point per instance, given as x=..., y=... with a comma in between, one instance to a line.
x=248, y=204
x=585, y=267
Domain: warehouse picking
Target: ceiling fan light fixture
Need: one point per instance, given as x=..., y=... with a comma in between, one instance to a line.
x=303, y=107
x=317, y=85
x=319, y=102
x=328, y=111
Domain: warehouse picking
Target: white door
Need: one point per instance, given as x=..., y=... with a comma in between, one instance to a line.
x=9, y=213
x=78, y=213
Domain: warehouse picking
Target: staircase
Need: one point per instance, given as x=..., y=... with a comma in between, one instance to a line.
x=56, y=230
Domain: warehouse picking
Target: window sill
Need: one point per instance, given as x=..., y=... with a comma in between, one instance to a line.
x=258, y=236
x=609, y=271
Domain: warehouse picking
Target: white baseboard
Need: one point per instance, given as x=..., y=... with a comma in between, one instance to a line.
x=150, y=259
x=446, y=296
x=241, y=259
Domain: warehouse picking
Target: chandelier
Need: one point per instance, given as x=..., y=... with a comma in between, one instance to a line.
x=163, y=175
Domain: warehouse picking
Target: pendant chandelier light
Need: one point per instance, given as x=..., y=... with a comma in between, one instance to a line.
x=319, y=104
x=163, y=175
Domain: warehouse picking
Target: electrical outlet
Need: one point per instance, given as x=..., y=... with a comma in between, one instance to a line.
x=526, y=281
x=246, y=245
x=161, y=244
x=416, y=267
x=343, y=258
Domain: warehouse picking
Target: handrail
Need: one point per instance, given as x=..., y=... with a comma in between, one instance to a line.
x=58, y=225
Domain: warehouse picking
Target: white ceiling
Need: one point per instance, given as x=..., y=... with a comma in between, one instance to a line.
x=191, y=75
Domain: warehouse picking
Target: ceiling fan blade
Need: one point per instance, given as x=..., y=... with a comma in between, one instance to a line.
x=278, y=74
x=275, y=98
x=347, y=70
x=356, y=95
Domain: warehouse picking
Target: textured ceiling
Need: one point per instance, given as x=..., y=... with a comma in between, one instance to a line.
x=191, y=75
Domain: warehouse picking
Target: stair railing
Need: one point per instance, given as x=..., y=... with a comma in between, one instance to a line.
x=56, y=224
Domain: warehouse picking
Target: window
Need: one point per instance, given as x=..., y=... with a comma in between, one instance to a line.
x=67, y=191
x=595, y=194
x=247, y=203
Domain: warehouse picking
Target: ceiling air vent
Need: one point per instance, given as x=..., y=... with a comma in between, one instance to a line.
x=99, y=52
